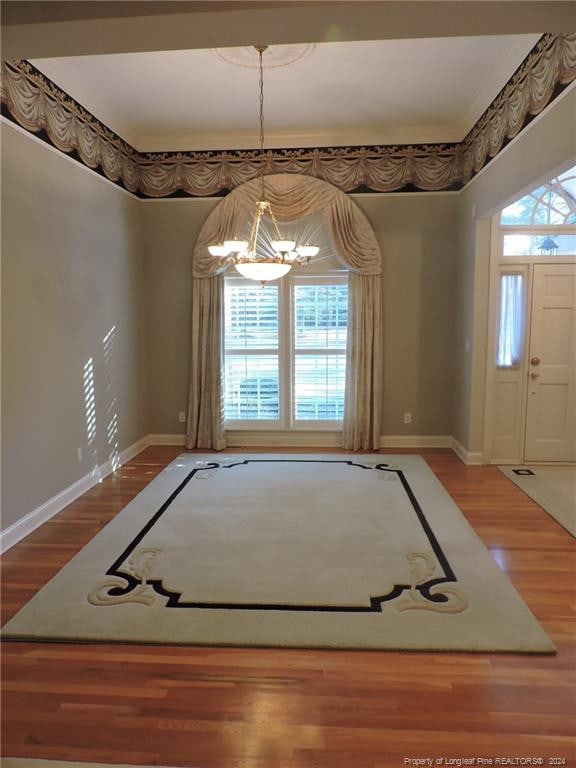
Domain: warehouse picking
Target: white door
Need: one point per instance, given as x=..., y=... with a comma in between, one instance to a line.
x=551, y=403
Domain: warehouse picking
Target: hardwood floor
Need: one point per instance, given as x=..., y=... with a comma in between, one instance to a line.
x=247, y=708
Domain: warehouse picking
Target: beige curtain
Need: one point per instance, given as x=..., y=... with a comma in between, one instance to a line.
x=292, y=196
x=363, y=404
x=205, y=418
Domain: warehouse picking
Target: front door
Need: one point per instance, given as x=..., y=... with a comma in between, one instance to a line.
x=551, y=402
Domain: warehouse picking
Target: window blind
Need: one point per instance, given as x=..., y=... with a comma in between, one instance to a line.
x=320, y=328
x=251, y=366
x=285, y=351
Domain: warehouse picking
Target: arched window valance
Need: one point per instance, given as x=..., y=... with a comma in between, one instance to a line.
x=293, y=196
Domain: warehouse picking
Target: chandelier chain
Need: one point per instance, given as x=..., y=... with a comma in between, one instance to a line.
x=280, y=254
x=261, y=70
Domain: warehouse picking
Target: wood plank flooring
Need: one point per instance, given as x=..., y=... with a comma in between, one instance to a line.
x=247, y=708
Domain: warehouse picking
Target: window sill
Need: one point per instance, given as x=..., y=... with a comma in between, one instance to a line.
x=312, y=426
x=319, y=438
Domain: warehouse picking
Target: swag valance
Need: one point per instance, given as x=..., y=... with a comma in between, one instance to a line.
x=293, y=197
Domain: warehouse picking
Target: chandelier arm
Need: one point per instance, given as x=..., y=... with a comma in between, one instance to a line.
x=254, y=231
x=276, y=228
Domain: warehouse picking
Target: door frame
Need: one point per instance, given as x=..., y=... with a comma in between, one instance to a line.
x=501, y=264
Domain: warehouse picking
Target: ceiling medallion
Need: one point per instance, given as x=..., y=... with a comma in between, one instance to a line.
x=276, y=55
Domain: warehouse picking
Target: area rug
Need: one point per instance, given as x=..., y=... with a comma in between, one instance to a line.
x=315, y=551
x=552, y=488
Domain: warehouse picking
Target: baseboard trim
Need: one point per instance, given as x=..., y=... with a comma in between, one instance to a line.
x=279, y=438
x=23, y=527
x=470, y=458
x=166, y=439
x=415, y=441
x=239, y=438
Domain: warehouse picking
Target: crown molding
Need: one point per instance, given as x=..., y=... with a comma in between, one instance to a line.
x=35, y=103
x=500, y=77
x=368, y=135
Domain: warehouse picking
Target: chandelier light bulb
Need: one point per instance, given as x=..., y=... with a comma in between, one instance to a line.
x=218, y=250
x=235, y=246
x=307, y=251
x=282, y=246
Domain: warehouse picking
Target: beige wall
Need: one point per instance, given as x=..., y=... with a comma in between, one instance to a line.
x=71, y=270
x=169, y=229
x=416, y=234
x=546, y=146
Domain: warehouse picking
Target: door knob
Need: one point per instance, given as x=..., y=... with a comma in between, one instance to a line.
x=534, y=375
x=534, y=361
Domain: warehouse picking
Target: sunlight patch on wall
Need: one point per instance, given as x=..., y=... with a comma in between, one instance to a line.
x=109, y=344
x=90, y=415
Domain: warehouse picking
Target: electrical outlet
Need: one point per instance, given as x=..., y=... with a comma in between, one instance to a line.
x=407, y=418
x=181, y=417
x=79, y=453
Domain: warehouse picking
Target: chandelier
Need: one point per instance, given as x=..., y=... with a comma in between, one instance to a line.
x=284, y=253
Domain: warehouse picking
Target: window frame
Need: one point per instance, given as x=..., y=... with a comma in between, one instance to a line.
x=286, y=354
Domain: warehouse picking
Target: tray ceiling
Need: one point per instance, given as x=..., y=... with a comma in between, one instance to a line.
x=367, y=92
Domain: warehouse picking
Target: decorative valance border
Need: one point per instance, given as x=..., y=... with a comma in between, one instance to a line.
x=34, y=102
x=544, y=73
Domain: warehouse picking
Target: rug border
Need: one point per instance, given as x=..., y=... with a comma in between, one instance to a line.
x=375, y=602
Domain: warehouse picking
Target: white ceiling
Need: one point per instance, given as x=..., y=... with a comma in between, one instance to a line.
x=367, y=92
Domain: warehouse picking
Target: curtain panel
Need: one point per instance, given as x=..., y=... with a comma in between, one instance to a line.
x=292, y=196
x=205, y=426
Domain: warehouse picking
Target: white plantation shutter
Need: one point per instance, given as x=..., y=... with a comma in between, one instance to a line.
x=251, y=349
x=320, y=326
x=285, y=352
x=251, y=316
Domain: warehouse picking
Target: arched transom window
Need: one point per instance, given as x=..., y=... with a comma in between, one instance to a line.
x=543, y=222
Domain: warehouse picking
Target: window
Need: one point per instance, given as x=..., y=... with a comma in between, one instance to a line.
x=251, y=366
x=510, y=321
x=285, y=352
x=320, y=322
x=552, y=244
x=552, y=204
x=543, y=222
